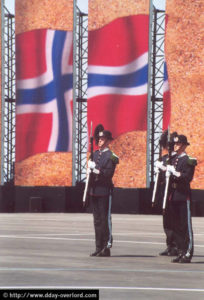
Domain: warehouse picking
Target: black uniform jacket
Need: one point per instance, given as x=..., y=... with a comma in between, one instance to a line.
x=179, y=188
x=106, y=161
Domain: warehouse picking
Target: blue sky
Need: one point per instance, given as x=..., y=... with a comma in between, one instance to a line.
x=160, y=4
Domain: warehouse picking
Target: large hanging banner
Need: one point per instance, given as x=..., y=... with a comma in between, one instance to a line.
x=118, y=79
x=185, y=65
x=44, y=92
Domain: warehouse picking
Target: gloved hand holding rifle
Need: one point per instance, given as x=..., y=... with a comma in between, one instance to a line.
x=169, y=169
x=159, y=165
x=90, y=169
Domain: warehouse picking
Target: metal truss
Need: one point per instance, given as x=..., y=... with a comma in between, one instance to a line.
x=157, y=80
x=80, y=82
x=8, y=98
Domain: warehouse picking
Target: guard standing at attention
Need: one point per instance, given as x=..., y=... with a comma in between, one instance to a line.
x=102, y=169
x=179, y=196
x=161, y=164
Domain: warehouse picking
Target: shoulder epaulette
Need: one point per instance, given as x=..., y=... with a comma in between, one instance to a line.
x=114, y=158
x=192, y=161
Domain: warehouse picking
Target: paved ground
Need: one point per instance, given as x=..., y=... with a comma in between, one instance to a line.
x=52, y=251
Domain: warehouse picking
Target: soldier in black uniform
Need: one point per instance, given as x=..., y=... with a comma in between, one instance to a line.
x=165, y=145
x=179, y=198
x=102, y=169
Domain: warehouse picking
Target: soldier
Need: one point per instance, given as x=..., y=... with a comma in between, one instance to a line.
x=171, y=249
x=179, y=197
x=102, y=169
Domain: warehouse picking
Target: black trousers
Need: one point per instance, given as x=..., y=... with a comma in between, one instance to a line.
x=169, y=226
x=183, y=232
x=102, y=221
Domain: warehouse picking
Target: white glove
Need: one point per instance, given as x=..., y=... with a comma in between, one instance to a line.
x=172, y=170
x=91, y=164
x=159, y=165
x=96, y=171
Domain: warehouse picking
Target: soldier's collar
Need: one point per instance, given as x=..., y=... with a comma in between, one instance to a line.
x=104, y=150
x=182, y=154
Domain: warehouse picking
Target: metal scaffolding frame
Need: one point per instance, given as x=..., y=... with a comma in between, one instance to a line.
x=156, y=88
x=8, y=98
x=80, y=82
x=80, y=79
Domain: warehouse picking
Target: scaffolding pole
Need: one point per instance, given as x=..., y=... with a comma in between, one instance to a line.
x=155, y=117
x=80, y=83
x=2, y=92
x=8, y=97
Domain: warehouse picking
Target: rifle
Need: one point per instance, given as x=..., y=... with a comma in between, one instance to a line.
x=157, y=178
x=88, y=175
x=170, y=150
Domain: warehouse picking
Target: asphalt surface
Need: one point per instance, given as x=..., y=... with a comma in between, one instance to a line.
x=51, y=251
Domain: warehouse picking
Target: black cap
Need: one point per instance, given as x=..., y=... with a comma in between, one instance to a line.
x=181, y=139
x=101, y=132
x=106, y=134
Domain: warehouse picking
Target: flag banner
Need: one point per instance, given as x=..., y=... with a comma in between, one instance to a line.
x=166, y=100
x=118, y=74
x=44, y=92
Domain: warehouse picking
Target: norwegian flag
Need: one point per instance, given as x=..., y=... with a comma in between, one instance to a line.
x=118, y=74
x=44, y=92
x=166, y=100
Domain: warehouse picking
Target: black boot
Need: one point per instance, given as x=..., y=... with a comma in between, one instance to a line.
x=104, y=253
x=95, y=253
x=173, y=252
x=185, y=259
x=165, y=252
x=177, y=259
